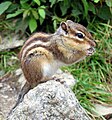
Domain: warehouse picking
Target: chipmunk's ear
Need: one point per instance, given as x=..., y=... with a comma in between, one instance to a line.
x=64, y=26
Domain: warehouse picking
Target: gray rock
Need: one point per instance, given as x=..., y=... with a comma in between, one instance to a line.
x=10, y=41
x=49, y=101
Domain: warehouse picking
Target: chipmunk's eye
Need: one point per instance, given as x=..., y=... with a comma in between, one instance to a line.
x=79, y=35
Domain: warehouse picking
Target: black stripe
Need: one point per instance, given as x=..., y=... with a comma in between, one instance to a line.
x=43, y=39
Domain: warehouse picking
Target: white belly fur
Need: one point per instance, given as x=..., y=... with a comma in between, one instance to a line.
x=50, y=69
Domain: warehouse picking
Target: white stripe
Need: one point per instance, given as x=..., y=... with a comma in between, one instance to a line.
x=80, y=39
x=32, y=44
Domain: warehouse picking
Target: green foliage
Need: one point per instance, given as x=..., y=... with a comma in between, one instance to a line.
x=32, y=24
x=4, y=6
x=14, y=14
x=26, y=11
x=7, y=62
x=40, y=12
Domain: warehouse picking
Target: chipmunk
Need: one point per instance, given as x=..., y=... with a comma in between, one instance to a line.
x=42, y=54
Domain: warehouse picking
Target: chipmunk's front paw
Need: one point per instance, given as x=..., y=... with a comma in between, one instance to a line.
x=59, y=80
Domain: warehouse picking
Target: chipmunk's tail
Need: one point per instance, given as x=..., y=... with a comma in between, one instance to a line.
x=23, y=91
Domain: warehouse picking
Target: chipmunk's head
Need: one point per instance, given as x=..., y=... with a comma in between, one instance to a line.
x=76, y=37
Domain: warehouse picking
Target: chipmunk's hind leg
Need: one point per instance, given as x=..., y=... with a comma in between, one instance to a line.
x=23, y=91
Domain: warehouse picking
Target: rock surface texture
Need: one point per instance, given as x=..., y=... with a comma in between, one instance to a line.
x=49, y=101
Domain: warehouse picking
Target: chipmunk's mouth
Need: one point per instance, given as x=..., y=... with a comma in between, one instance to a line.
x=90, y=51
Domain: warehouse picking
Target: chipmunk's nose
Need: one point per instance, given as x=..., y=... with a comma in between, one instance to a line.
x=92, y=43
